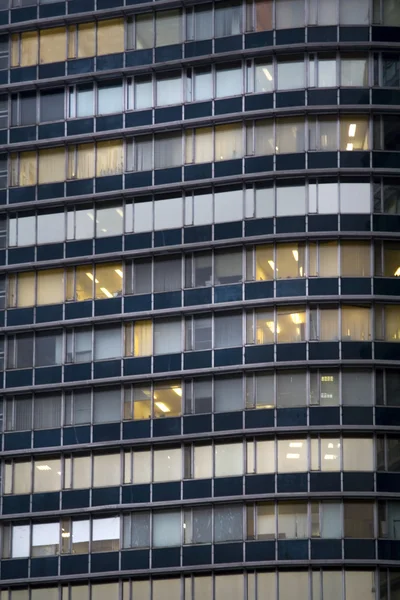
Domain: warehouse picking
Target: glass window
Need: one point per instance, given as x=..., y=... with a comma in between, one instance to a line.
x=168, y=150
x=45, y=539
x=106, y=470
x=167, y=274
x=292, y=456
x=289, y=14
x=167, y=337
x=355, y=259
x=293, y=584
x=289, y=136
x=291, y=389
x=263, y=77
x=47, y=411
x=50, y=286
x=143, y=92
x=228, y=19
x=355, y=198
x=144, y=31
x=229, y=81
x=228, y=394
x=51, y=105
x=52, y=45
x=290, y=259
x=84, y=98
x=168, y=213
x=229, y=586
x=358, y=454
x=47, y=475
x=354, y=133
x=109, y=280
x=356, y=323
x=326, y=75
x=391, y=13
x=110, y=98
x=292, y=520
x=228, y=523
x=137, y=530
x=48, y=348
x=291, y=73
x=354, y=71
x=198, y=333
x=197, y=526
x=107, y=405
x=167, y=399
x=227, y=330
x=167, y=465
x=169, y=89
x=355, y=12
x=360, y=584
x=228, y=141
x=168, y=27
x=110, y=36
x=107, y=342
x=228, y=267
x=202, y=83
x=105, y=534
x=228, y=459
x=167, y=528
x=50, y=228
x=290, y=201
x=357, y=388
x=109, y=221
x=359, y=520
x=291, y=325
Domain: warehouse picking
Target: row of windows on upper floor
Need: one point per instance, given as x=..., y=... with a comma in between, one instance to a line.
x=196, y=84
x=163, y=28
x=201, y=207
x=265, y=262
x=202, y=145
x=198, y=207
x=203, y=332
x=297, y=454
x=203, y=525
x=172, y=398
x=324, y=584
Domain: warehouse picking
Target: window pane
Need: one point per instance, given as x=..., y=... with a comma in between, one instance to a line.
x=228, y=19
x=50, y=286
x=292, y=456
x=107, y=342
x=50, y=228
x=354, y=71
x=47, y=475
x=228, y=141
x=168, y=214
x=354, y=133
x=229, y=81
x=289, y=136
x=358, y=454
x=169, y=90
x=106, y=470
x=291, y=326
x=167, y=337
x=291, y=389
x=228, y=267
x=227, y=331
x=110, y=36
x=292, y=520
x=110, y=99
x=168, y=27
x=109, y=280
x=228, y=394
x=359, y=520
x=167, y=528
x=228, y=459
x=167, y=465
x=291, y=73
x=167, y=150
x=356, y=323
x=357, y=388
x=228, y=523
x=109, y=221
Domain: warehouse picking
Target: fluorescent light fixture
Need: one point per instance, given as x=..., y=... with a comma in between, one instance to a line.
x=120, y=212
x=397, y=272
x=292, y=455
x=90, y=215
x=271, y=326
x=295, y=255
x=119, y=272
x=65, y=534
x=91, y=277
x=349, y=147
x=267, y=73
x=296, y=318
x=106, y=292
x=178, y=391
x=330, y=445
x=352, y=130
x=330, y=457
x=43, y=468
x=271, y=264
x=296, y=445
x=163, y=407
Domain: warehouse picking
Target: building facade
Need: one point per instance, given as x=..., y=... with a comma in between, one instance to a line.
x=199, y=293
